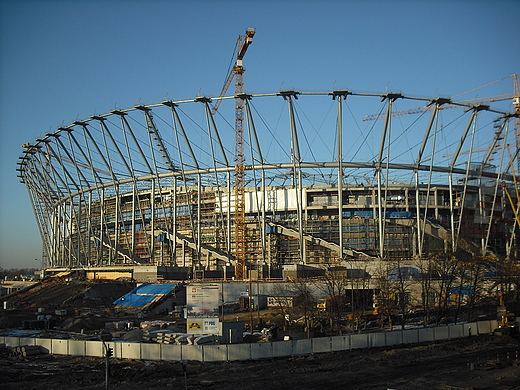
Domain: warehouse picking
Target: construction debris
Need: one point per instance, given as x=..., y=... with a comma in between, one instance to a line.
x=25, y=350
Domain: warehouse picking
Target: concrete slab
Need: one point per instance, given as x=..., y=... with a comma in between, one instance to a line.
x=215, y=353
x=282, y=348
x=192, y=352
x=130, y=350
x=171, y=352
x=410, y=336
x=239, y=352
x=77, y=347
x=340, y=343
x=261, y=351
x=359, y=341
x=302, y=347
x=321, y=344
x=60, y=347
x=444, y=332
x=94, y=348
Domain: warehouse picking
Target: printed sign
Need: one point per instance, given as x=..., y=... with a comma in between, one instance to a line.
x=203, y=308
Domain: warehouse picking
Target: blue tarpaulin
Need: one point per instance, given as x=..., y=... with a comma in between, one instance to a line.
x=134, y=300
x=155, y=289
x=144, y=294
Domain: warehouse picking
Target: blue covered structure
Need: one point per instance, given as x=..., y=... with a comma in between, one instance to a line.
x=145, y=294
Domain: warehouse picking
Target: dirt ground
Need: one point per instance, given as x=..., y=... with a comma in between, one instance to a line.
x=483, y=362
x=91, y=301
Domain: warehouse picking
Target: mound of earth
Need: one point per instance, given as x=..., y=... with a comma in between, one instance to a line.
x=76, y=294
x=80, y=324
x=75, y=297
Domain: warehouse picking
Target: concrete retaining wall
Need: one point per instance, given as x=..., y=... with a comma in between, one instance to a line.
x=229, y=352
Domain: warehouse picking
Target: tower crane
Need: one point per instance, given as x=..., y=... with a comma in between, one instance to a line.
x=479, y=150
x=515, y=96
x=516, y=104
x=242, y=45
x=237, y=72
x=430, y=107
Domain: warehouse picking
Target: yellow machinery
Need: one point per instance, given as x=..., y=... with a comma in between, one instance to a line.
x=506, y=320
x=322, y=304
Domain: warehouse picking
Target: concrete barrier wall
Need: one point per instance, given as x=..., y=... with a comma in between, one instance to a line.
x=394, y=338
x=302, y=347
x=45, y=345
x=426, y=334
x=322, y=344
x=60, y=347
x=340, y=343
x=282, y=348
x=359, y=340
x=261, y=351
x=170, y=352
x=484, y=327
x=229, y=352
x=238, y=351
x=193, y=352
x=132, y=351
x=12, y=341
x=410, y=336
x=26, y=341
x=77, y=348
x=215, y=353
x=444, y=332
x=377, y=339
x=151, y=352
x=94, y=348
x=456, y=331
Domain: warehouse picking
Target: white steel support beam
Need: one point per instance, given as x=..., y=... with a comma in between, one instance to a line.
x=433, y=118
x=452, y=166
x=391, y=97
x=297, y=171
x=340, y=96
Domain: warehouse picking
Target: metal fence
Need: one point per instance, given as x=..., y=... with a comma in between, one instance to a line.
x=230, y=352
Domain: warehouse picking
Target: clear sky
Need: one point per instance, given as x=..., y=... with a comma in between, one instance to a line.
x=64, y=60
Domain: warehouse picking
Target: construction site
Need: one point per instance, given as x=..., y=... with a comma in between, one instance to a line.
x=157, y=185
x=82, y=313
x=250, y=218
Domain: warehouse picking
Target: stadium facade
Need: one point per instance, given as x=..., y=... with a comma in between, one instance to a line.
x=325, y=185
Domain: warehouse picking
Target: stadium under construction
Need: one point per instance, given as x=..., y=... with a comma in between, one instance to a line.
x=302, y=181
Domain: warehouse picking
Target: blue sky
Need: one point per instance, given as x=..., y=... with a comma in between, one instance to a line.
x=62, y=61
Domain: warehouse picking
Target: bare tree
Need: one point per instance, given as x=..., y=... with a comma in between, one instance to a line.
x=334, y=284
x=475, y=279
x=402, y=277
x=446, y=268
x=283, y=298
x=17, y=273
x=385, y=299
x=304, y=302
x=508, y=270
x=427, y=269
